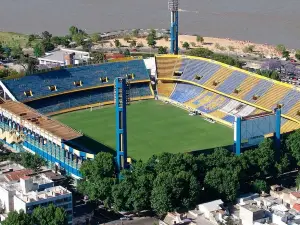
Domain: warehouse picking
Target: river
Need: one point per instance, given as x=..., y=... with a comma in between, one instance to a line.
x=263, y=21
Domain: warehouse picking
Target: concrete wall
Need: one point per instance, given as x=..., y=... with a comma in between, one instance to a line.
x=246, y=216
x=19, y=204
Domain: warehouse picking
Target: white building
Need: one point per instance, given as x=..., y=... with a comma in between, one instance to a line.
x=249, y=214
x=64, y=57
x=30, y=193
x=208, y=207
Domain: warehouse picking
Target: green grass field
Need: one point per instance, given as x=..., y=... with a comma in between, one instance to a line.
x=153, y=127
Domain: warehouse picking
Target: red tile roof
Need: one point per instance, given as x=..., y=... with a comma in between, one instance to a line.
x=296, y=194
x=296, y=207
x=16, y=175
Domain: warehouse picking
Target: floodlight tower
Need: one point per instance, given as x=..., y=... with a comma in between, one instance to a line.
x=122, y=98
x=173, y=7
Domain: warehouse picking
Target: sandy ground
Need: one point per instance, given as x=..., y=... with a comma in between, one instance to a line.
x=224, y=45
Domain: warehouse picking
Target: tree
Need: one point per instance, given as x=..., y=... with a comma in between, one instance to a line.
x=260, y=186
x=222, y=182
x=174, y=191
x=73, y=30
x=65, y=41
x=193, y=44
x=78, y=38
x=133, y=43
x=136, y=32
x=47, y=45
x=38, y=50
x=46, y=35
x=95, y=37
x=98, y=177
x=280, y=48
x=117, y=43
x=49, y=215
x=248, y=49
x=56, y=40
x=31, y=161
x=151, y=41
x=199, y=39
x=186, y=45
x=297, y=55
x=97, y=57
x=286, y=54
x=16, y=51
x=31, y=37
x=200, y=52
x=293, y=145
x=162, y=50
x=297, y=181
x=15, y=218
x=126, y=52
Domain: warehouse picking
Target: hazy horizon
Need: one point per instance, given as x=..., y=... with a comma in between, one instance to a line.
x=268, y=21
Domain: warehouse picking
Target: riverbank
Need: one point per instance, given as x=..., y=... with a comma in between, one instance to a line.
x=219, y=45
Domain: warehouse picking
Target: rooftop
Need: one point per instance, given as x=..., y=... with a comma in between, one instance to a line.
x=212, y=206
x=38, y=120
x=252, y=208
x=16, y=175
x=58, y=55
x=46, y=194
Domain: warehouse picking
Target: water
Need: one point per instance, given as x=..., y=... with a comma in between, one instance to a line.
x=263, y=21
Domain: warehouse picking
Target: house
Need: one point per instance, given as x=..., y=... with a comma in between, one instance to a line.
x=249, y=214
x=208, y=207
x=31, y=192
x=64, y=57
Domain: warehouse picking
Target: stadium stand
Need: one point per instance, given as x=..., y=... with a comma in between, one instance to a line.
x=73, y=79
x=250, y=93
x=165, y=67
x=84, y=99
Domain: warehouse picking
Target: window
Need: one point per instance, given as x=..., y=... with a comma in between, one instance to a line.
x=78, y=83
x=177, y=73
x=28, y=93
x=130, y=76
x=52, y=88
x=104, y=79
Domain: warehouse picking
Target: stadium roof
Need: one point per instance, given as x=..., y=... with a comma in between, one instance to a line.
x=31, y=116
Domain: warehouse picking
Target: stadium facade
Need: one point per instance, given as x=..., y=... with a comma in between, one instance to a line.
x=215, y=90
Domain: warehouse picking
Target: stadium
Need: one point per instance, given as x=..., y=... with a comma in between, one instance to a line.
x=79, y=95
x=177, y=103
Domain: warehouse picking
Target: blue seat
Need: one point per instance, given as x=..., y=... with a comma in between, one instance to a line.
x=289, y=100
x=82, y=98
x=185, y=92
x=232, y=82
x=64, y=79
x=262, y=87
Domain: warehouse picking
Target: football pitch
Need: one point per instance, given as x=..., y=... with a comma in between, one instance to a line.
x=153, y=127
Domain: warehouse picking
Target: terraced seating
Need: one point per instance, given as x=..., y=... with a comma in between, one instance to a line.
x=289, y=100
x=88, y=97
x=184, y=92
x=248, y=84
x=88, y=76
x=229, y=118
x=294, y=110
x=260, y=89
x=232, y=82
x=270, y=99
x=289, y=126
x=220, y=76
x=201, y=68
x=165, y=88
x=166, y=66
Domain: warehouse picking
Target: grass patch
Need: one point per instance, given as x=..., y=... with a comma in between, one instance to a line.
x=153, y=127
x=8, y=38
